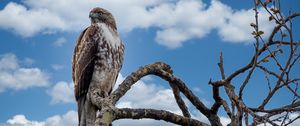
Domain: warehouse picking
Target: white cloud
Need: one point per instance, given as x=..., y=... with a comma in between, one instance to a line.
x=60, y=42
x=57, y=66
x=62, y=92
x=225, y=121
x=68, y=119
x=176, y=21
x=12, y=76
x=237, y=26
x=21, y=120
x=28, y=22
x=8, y=62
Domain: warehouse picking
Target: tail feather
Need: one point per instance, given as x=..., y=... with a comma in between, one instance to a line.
x=80, y=109
x=86, y=112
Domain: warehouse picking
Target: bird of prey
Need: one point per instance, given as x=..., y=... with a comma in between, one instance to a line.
x=97, y=60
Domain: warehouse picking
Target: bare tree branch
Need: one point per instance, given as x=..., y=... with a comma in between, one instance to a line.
x=179, y=101
x=127, y=113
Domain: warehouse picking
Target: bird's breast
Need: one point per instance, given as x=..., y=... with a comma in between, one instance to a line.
x=110, y=48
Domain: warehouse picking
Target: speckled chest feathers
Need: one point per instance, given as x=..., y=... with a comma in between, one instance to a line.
x=110, y=49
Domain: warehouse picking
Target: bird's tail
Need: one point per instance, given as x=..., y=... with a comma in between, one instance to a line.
x=80, y=109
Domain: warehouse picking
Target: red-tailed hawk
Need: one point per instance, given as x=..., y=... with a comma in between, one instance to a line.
x=97, y=60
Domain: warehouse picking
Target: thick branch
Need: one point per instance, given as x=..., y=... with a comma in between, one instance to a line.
x=164, y=71
x=291, y=107
x=127, y=113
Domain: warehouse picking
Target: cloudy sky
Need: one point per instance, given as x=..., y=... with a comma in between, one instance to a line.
x=38, y=38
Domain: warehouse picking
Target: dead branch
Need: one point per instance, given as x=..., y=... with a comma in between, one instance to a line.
x=127, y=113
x=109, y=113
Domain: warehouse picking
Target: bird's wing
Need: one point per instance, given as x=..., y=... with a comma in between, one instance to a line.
x=83, y=61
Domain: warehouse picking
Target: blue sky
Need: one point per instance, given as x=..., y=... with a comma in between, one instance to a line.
x=38, y=38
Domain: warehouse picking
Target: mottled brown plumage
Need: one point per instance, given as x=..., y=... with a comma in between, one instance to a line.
x=97, y=60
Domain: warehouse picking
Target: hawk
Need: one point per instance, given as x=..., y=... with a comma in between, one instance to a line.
x=97, y=60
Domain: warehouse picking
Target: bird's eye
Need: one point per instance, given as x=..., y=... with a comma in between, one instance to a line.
x=94, y=15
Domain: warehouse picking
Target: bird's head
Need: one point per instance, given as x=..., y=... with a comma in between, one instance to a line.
x=100, y=15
